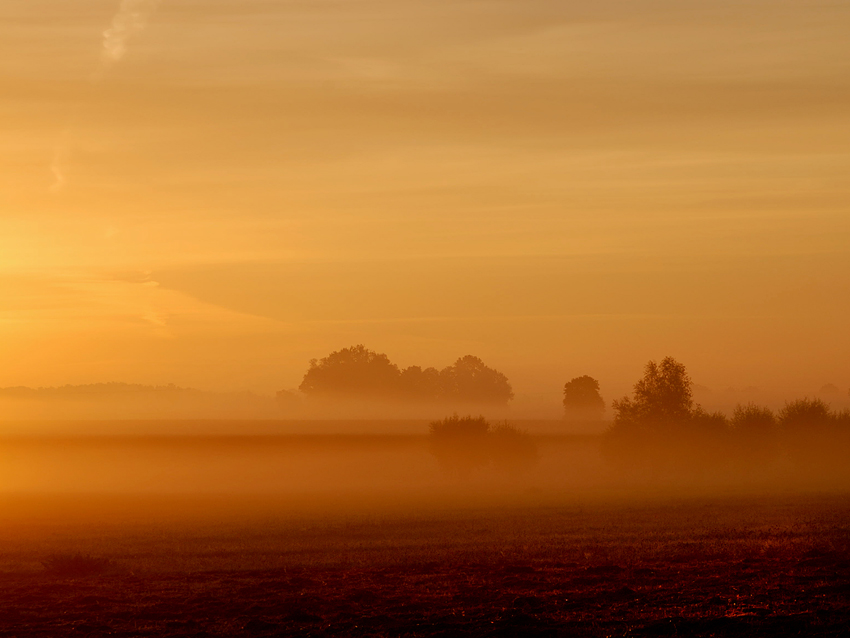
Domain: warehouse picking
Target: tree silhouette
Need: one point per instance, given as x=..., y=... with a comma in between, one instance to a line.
x=420, y=385
x=470, y=381
x=582, y=399
x=659, y=432
x=355, y=371
x=363, y=373
x=663, y=394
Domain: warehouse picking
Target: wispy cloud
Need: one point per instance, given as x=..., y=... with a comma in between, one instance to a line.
x=131, y=18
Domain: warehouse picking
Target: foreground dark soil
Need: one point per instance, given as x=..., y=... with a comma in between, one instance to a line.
x=710, y=566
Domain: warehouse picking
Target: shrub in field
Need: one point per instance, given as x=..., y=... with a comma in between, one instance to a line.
x=813, y=437
x=76, y=565
x=805, y=414
x=460, y=443
x=512, y=450
x=463, y=444
x=709, y=437
x=756, y=433
x=752, y=420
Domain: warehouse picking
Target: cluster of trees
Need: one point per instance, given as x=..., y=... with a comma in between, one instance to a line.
x=662, y=430
x=464, y=444
x=365, y=374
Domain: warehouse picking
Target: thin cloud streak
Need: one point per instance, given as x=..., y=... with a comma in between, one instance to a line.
x=132, y=18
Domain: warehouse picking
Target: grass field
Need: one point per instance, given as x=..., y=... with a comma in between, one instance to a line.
x=401, y=550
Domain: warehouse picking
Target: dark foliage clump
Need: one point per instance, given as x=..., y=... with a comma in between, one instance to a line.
x=756, y=434
x=805, y=415
x=76, y=565
x=360, y=373
x=464, y=444
x=663, y=395
x=512, y=450
x=582, y=400
x=814, y=436
x=460, y=443
x=661, y=433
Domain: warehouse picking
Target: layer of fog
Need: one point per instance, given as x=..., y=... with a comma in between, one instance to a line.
x=397, y=467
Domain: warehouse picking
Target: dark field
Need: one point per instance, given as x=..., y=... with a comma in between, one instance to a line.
x=419, y=557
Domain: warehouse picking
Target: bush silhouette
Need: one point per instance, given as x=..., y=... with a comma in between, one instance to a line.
x=512, y=450
x=582, y=399
x=460, y=443
x=811, y=435
x=756, y=433
x=805, y=414
x=463, y=444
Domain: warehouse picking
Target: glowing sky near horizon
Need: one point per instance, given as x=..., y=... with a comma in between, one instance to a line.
x=559, y=187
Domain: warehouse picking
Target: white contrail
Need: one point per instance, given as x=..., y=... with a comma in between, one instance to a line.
x=131, y=18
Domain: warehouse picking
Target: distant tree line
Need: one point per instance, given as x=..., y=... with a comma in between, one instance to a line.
x=661, y=432
x=366, y=374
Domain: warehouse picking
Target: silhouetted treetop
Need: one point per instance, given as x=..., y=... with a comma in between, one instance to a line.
x=664, y=393
x=659, y=433
x=803, y=414
x=362, y=372
x=354, y=370
x=753, y=420
x=582, y=398
x=420, y=385
x=469, y=380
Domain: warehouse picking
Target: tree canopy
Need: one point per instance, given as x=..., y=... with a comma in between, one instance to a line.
x=354, y=370
x=582, y=399
x=469, y=380
x=358, y=371
x=663, y=394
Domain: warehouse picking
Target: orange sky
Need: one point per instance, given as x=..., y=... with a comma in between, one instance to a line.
x=559, y=187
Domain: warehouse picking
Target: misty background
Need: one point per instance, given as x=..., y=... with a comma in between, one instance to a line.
x=557, y=188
